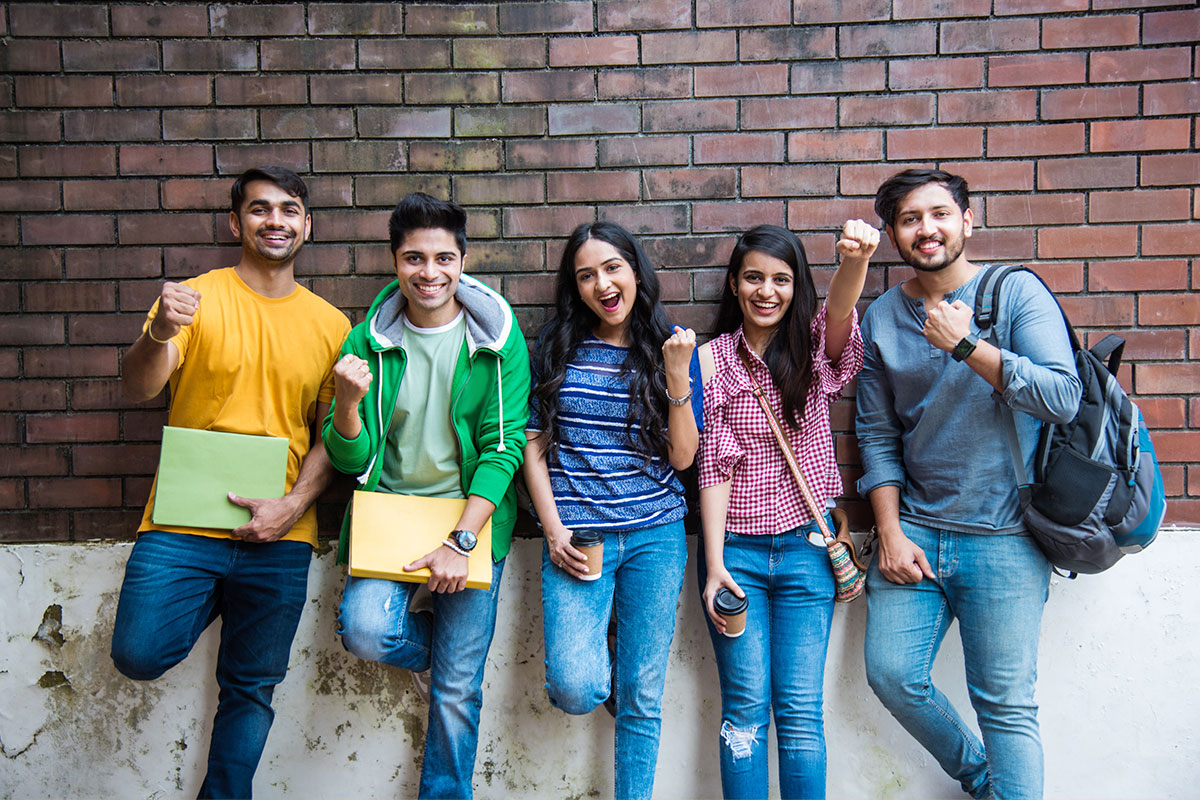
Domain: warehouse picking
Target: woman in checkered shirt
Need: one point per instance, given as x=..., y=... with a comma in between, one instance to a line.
x=756, y=524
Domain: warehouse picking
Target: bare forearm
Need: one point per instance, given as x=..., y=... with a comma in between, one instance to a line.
x=537, y=480
x=844, y=291
x=885, y=503
x=714, y=510
x=476, y=514
x=683, y=435
x=346, y=420
x=147, y=367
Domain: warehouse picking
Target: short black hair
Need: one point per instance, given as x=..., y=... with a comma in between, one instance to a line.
x=897, y=187
x=282, y=177
x=418, y=211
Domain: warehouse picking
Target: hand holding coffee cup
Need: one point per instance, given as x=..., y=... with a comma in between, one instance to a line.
x=591, y=545
x=563, y=553
x=732, y=609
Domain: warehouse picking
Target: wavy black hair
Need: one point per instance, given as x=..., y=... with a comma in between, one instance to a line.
x=571, y=321
x=789, y=353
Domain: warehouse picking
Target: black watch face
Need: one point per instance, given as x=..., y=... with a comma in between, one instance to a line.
x=466, y=539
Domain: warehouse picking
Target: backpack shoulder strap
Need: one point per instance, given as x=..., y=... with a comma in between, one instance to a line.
x=987, y=303
x=1109, y=350
x=987, y=294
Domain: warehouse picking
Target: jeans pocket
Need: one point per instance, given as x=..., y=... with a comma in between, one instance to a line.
x=814, y=539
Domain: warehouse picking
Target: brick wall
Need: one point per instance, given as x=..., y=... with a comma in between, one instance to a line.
x=685, y=120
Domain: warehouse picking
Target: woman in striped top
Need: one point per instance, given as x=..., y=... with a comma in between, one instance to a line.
x=615, y=411
x=756, y=525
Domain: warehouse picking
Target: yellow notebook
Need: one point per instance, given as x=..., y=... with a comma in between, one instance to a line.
x=388, y=531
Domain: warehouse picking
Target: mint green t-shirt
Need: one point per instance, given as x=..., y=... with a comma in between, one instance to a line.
x=421, y=457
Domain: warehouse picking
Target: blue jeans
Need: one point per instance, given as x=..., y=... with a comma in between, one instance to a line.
x=175, y=585
x=777, y=665
x=996, y=586
x=452, y=643
x=643, y=574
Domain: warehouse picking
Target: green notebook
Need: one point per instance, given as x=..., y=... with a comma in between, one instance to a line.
x=198, y=468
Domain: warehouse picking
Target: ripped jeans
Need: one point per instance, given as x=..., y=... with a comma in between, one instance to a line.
x=777, y=666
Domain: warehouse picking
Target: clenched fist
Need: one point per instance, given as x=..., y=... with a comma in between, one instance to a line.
x=351, y=376
x=677, y=351
x=858, y=240
x=177, y=306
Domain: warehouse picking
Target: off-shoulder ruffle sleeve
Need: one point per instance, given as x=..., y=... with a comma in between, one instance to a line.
x=720, y=451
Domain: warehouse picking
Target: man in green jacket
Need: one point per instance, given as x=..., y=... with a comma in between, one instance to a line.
x=432, y=398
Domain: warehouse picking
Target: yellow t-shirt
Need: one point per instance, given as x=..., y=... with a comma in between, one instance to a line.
x=257, y=365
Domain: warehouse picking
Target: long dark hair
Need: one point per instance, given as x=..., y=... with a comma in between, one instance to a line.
x=572, y=321
x=789, y=353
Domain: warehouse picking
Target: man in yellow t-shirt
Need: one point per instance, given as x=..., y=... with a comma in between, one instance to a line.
x=245, y=350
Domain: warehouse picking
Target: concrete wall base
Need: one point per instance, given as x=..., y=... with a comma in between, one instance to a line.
x=1119, y=704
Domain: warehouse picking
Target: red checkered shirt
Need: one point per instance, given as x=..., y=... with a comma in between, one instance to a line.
x=737, y=440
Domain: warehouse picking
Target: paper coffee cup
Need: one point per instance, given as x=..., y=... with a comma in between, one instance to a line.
x=732, y=609
x=591, y=544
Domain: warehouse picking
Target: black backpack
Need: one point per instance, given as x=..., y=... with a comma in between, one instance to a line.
x=1097, y=492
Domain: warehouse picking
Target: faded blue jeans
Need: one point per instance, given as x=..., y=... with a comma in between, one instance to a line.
x=452, y=643
x=777, y=666
x=643, y=573
x=996, y=586
x=175, y=585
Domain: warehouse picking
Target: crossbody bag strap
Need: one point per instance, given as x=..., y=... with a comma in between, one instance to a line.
x=788, y=455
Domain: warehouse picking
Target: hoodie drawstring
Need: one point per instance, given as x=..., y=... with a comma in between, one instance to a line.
x=500, y=393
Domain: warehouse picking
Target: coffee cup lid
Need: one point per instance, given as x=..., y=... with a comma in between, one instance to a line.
x=586, y=538
x=726, y=602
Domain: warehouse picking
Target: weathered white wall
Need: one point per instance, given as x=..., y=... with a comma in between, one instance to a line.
x=1118, y=690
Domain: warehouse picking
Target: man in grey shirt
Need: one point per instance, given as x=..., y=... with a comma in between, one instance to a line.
x=940, y=479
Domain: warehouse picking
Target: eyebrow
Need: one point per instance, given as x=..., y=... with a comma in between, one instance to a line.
x=439, y=253
x=286, y=203
x=914, y=209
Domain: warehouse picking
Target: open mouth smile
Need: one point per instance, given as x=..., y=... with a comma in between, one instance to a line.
x=609, y=302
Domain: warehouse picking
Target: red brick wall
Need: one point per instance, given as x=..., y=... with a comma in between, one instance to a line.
x=686, y=120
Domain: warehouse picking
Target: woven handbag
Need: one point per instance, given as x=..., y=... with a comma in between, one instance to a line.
x=848, y=571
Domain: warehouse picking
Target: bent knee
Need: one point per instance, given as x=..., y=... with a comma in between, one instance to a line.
x=366, y=642
x=574, y=695
x=896, y=686
x=139, y=664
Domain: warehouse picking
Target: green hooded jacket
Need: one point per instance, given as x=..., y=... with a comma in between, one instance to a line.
x=489, y=410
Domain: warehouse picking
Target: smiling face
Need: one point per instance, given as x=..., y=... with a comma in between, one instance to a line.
x=763, y=287
x=607, y=284
x=428, y=265
x=930, y=230
x=271, y=224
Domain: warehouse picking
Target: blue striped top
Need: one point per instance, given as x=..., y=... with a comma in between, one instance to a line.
x=600, y=481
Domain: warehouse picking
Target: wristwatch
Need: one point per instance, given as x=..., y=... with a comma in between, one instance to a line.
x=462, y=541
x=965, y=347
